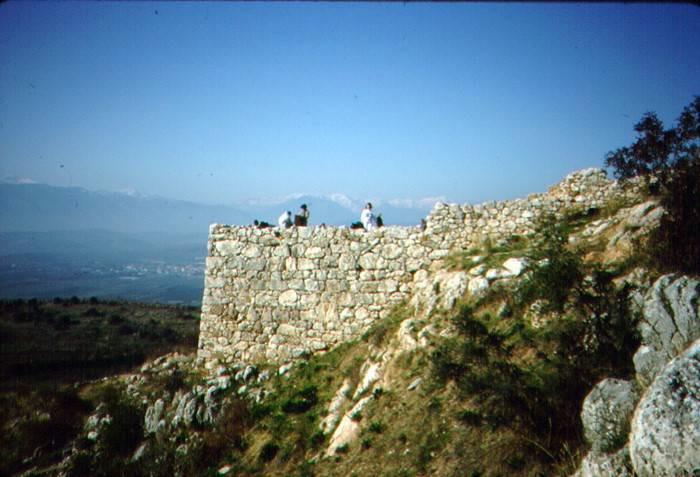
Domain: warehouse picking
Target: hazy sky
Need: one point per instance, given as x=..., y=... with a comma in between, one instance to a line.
x=217, y=102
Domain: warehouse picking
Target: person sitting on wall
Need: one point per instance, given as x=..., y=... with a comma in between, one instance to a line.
x=367, y=217
x=261, y=225
x=302, y=218
x=380, y=221
x=285, y=220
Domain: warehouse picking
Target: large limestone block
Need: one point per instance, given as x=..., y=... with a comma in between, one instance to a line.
x=670, y=322
x=453, y=287
x=665, y=435
x=477, y=285
x=600, y=464
x=288, y=298
x=606, y=413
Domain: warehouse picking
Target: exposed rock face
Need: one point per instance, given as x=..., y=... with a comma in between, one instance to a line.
x=665, y=437
x=606, y=413
x=341, y=397
x=598, y=464
x=670, y=323
x=665, y=428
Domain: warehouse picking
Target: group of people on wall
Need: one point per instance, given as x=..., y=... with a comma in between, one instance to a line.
x=368, y=220
x=300, y=220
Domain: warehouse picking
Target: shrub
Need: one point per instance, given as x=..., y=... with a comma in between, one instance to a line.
x=343, y=449
x=268, y=451
x=559, y=270
x=376, y=427
x=301, y=401
x=93, y=312
x=124, y=432
x=674, y=244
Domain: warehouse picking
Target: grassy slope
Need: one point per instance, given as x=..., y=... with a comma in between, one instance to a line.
x=403, y=433
x=47, y=348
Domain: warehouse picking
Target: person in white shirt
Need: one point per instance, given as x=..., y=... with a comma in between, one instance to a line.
x=367, y=217
x=285, y=220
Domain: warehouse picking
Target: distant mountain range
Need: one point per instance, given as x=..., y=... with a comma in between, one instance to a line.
x=50, y=237
x=333, y=210
x=40, y=207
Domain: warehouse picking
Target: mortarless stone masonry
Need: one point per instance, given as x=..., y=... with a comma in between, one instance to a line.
x=276, y=294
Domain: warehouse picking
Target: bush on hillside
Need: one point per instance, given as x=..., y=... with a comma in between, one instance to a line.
x=533, y=380
x=668, y=160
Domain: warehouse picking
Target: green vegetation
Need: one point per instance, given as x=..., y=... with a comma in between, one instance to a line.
x=44, y=419
x=48, y=347
x=669, y=162
x=502, y=383
x=67, y=340
x=531, y=380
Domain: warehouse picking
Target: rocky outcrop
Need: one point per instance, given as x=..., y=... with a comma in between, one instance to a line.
x=440, y=290
x=599, y=464
x=669, y=323
x=606, y=413
x=665, y=437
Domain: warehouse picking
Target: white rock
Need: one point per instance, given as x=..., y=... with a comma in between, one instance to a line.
x=515, y=266
x=497, y=274
x=478, y=270
x=370, y=376
x=670, y=321
x=341, y=397
x=349, y=427
x=606, y=413
x=665, y=436
x=477, y=285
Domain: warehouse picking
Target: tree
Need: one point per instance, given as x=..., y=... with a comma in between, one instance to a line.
x=670, y=159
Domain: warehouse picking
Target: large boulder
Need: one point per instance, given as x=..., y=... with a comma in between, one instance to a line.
x=601, y=464
x=606, y=413
x=670, y=322
x=665, y=435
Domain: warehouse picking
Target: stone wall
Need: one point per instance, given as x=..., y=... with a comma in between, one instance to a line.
x=276, y=294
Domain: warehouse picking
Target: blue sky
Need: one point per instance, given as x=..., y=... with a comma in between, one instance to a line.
x=220, y=102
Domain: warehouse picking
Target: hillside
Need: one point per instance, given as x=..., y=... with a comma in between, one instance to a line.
x=482, y=372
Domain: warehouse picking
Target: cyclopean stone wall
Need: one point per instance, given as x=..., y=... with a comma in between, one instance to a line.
x=276, y=294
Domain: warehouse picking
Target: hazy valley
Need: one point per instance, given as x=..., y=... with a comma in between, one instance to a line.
x=62, y=241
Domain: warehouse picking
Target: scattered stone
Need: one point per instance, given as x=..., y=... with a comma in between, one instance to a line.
x=515, y=266
x=477, y=285
x=283, y=369
x=414, y=384
x=152, y=420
